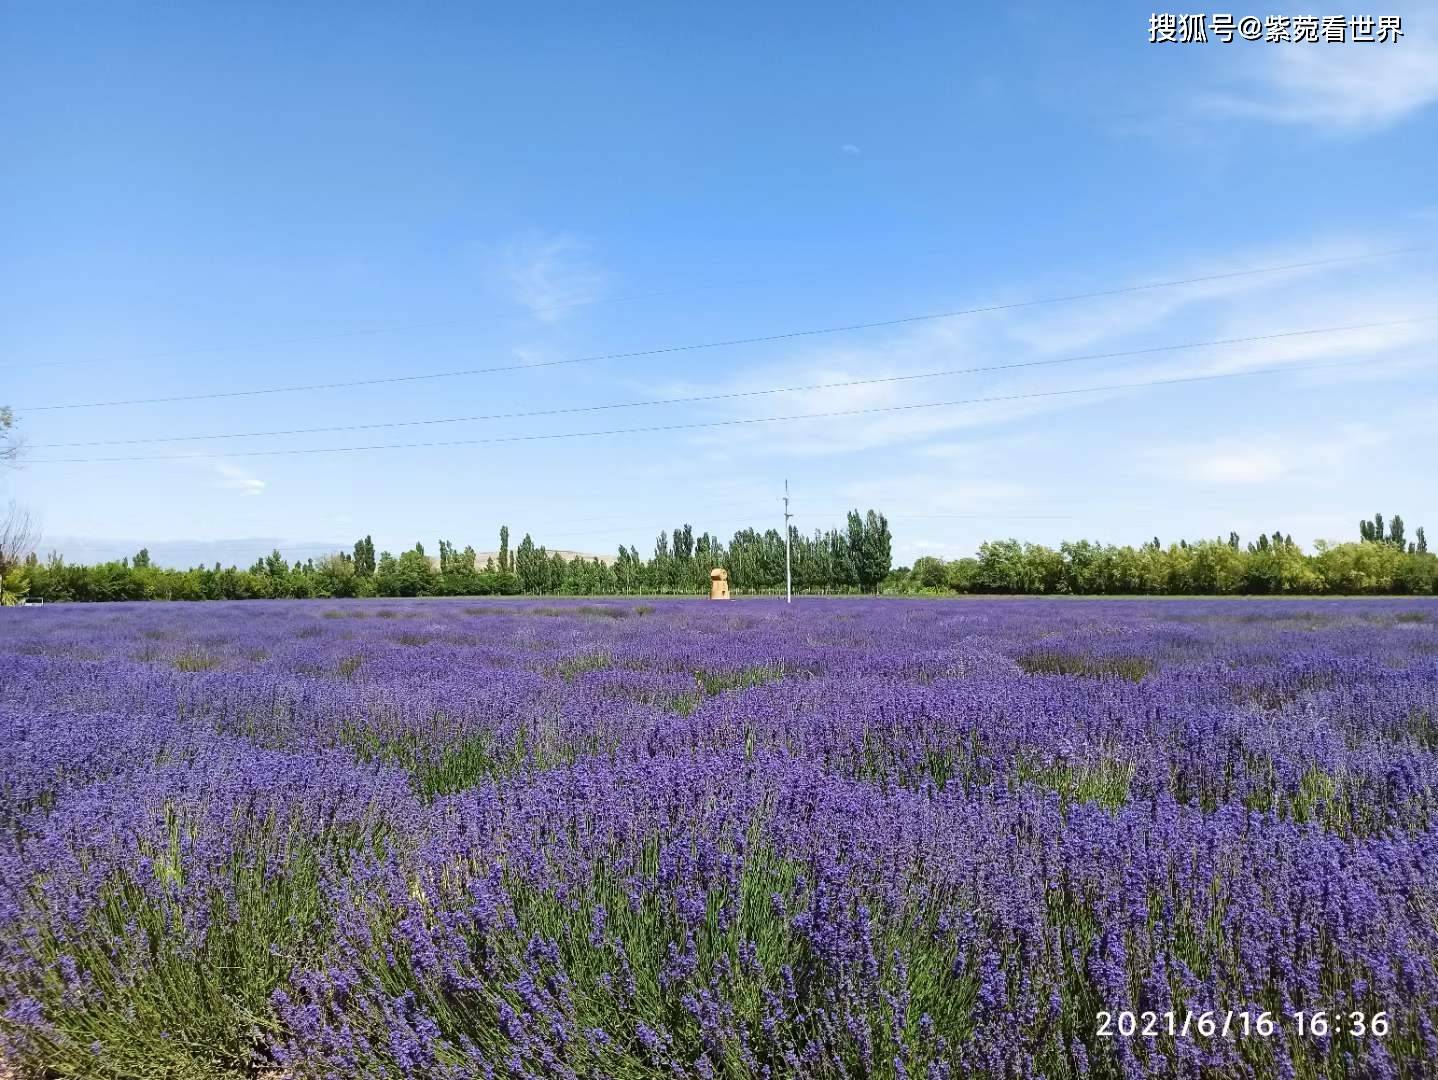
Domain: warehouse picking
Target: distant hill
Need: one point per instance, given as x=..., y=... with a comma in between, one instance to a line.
x=481, y=557
x=183, y=554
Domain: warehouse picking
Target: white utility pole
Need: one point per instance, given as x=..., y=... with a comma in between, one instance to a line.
x=788, y=565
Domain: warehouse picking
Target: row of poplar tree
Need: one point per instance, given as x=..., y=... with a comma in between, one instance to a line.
x=854, y=559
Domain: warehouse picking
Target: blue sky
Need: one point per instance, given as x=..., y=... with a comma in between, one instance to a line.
x=213, y=199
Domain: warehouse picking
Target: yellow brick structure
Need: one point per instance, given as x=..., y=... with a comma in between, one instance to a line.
x=718, y=584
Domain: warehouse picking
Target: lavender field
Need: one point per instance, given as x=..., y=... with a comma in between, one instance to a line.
x=643, y=839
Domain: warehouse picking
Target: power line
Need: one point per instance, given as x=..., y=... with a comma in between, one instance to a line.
x=726, y=343
x=957, y=517
x=736, y=394
x=833, y=414
x=390, y=328
x=837, y=515
x=340, y=335
x=430, y=324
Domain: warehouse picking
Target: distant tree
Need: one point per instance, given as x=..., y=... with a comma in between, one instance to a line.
x=364, y=562
x=870, y=548
x=504, y=567
x=1378, y=528
x=839, y=570
x=684, y=543
x=1001, y=567
x=854, y=539
x=1422, y=541
x=928, y=572
x=526, y=566
x=335, y=575
x=409, y=575
x=9, y=444
x=18, y=535
x=460, y=562
x=961, y=575
x=142, y=559
x=878, y=548
x=1395, y=532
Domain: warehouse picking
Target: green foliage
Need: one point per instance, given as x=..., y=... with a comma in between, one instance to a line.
x=1104, y=782
x=573, y=666
x=196, y=660
x=408, y=575
x=1395, y=535
x=928, y=573
x=711, y=683
x=463, y=765
x=14, y=587
x=435, y=766
x=870, y=547
x=364, y=564
x=1272, y=565
x=1132, y=668
x=716, y=682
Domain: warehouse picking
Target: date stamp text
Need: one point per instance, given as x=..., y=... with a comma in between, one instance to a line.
x=1242, y=1024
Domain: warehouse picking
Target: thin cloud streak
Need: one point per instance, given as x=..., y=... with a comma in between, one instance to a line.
x=552, y=276
x=1213, y=310
x=231, y=477
x=1345, y=88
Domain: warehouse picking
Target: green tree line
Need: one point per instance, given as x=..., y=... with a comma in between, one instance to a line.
x=1382, y=561
x=855, y=559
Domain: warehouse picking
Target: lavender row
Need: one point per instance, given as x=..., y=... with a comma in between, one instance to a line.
x=606, y=839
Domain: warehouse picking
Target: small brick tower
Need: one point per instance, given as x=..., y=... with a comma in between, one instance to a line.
x=718, y=584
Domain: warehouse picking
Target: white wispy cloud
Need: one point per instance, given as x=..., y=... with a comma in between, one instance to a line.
x=1256, y=458
x=1335, y=87
x=1258, y=466
x=1312, y=297
x=850, y=148
x=1030, y=466
x=551, y=275
x=231, y=477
